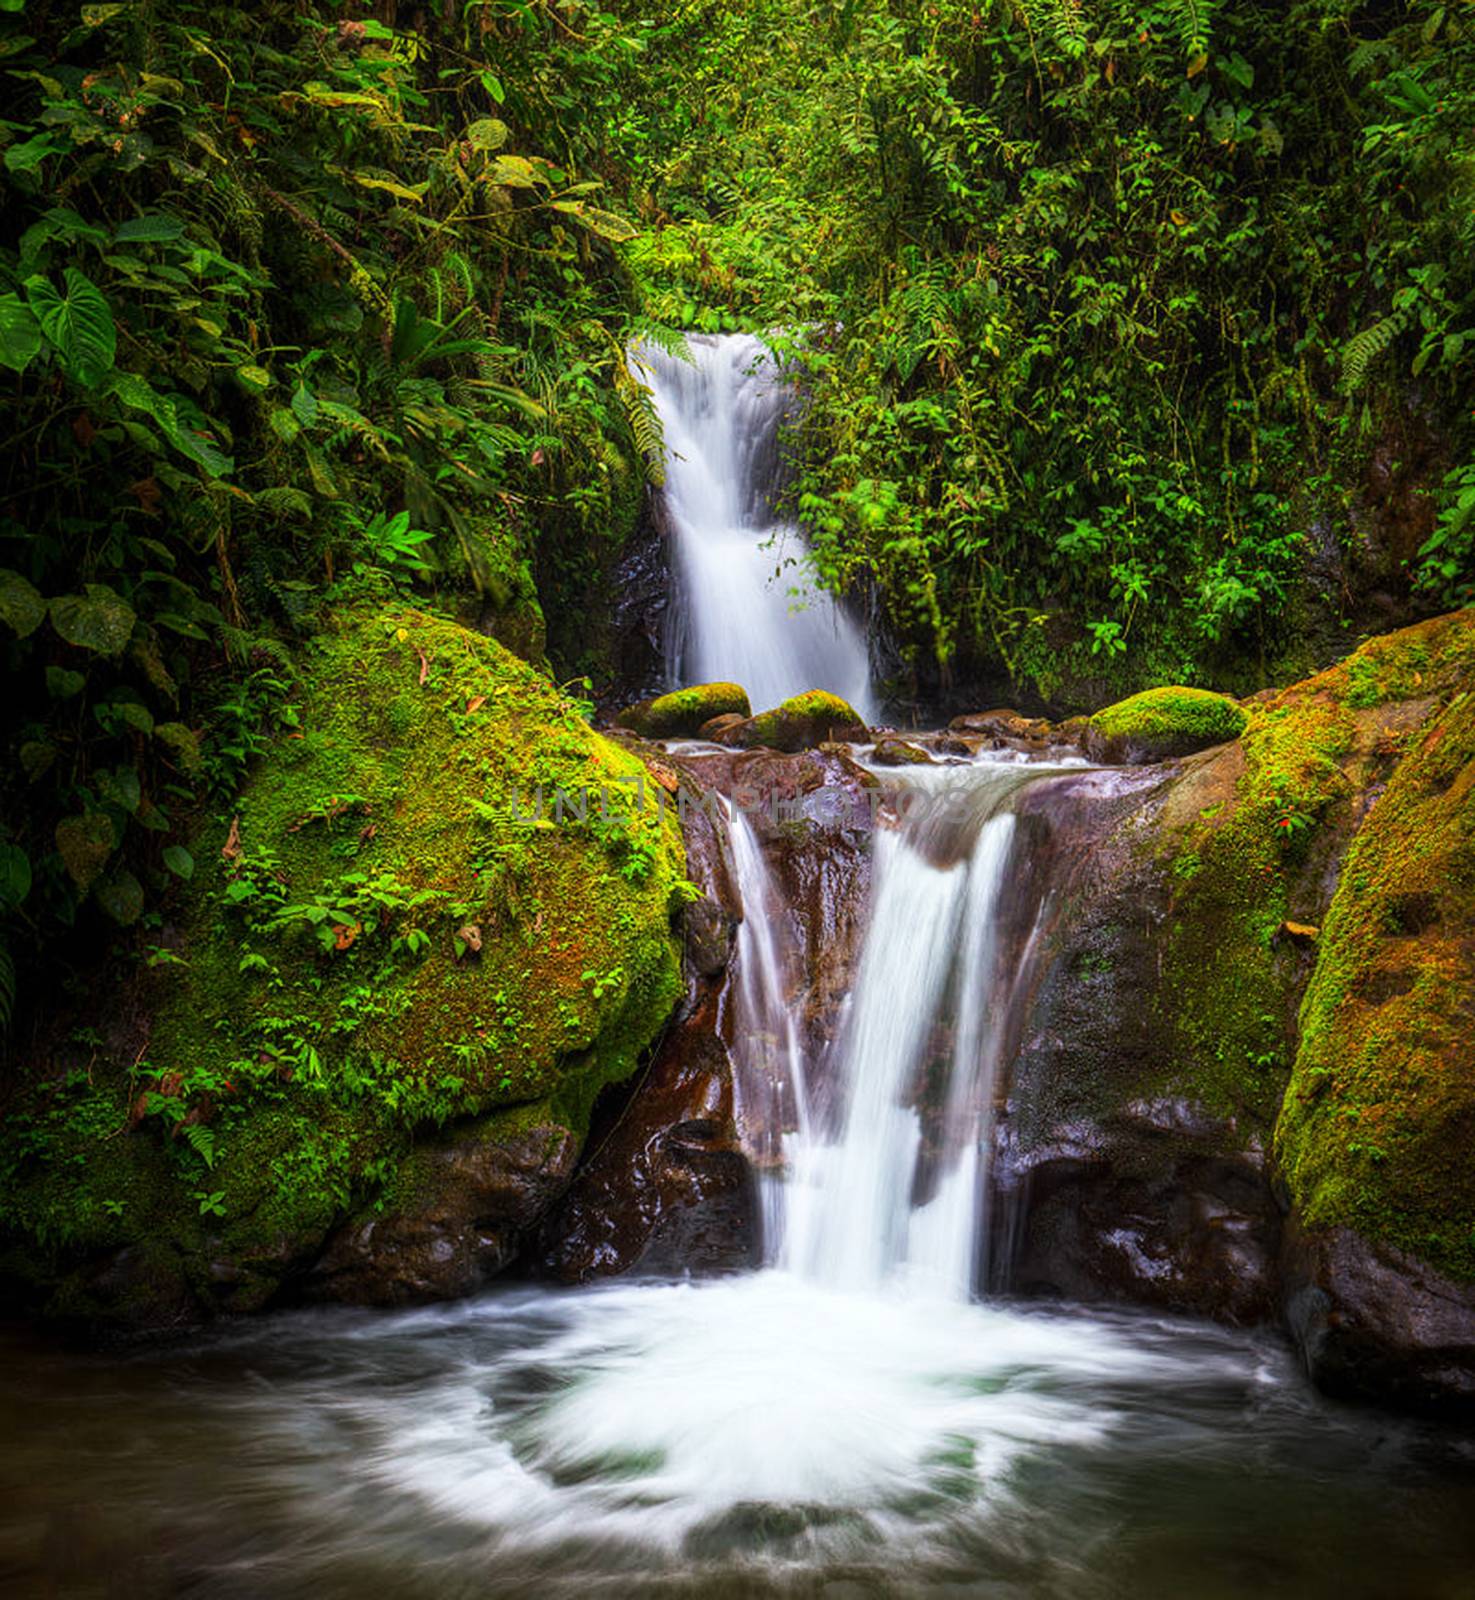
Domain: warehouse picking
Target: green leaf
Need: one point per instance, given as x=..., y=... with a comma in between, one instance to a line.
x=15, y=876
x=487, y=133
x=28, y=156
x=94, y=16
x=62, y=684
x=156, y=228
x=96, y=620
x=21, y=606
x=493, y=86
x=119, y=786
x=141, y=395
x=179, y=861
x=257, y=379
x=605, y=223
x=120, y=894
x=84, y=844
x=20, y=333
x=78, y=325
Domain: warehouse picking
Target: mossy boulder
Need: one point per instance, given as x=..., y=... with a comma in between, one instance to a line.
x=1379, y=1120
x=438, y=902
x=1161, y=723
x=803, y=722
x=682, y=713
x=1161, y=1038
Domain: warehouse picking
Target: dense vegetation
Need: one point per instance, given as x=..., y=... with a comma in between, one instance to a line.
x=1138, y=341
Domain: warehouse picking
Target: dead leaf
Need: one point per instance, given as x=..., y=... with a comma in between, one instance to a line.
x=1178, y=219
x=470, y=936
x=425, y=661
x=344, y=933
x=231, y=849
x=475, y=703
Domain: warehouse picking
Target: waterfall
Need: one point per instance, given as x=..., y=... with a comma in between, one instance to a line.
x=888, y=1188
x=748, y=608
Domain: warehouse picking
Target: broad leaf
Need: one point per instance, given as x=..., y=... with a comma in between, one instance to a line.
x=85, y=843
x=489, y=133
x=15, y=876
x=120, y=894
x=179, y=861
x=20, y=333
x=605, y=223
x=78, y=325
x=21, y=606
x=154, y=229
x=95, y=620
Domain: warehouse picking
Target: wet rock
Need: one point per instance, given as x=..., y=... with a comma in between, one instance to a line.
x=456, y=1218
x=900, y=753
x=714, y=729
x=800, y=723
x=708, y=930
x=1373, y=1322
x=684, y=712
x=1162, y=1205
x=667, y=1189
x=1002, y=723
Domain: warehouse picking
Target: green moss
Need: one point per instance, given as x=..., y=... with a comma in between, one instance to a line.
x=802, y=721
x=682, y=713
x=1250, y=835
x=442, y=895
x=1378, y=1121
x=1166, y=722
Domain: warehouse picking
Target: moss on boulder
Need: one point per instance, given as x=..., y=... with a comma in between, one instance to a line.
x=438, y=897
x=1161, y=723
x=802, y=722
x=681, y=714
x=1379, y=1119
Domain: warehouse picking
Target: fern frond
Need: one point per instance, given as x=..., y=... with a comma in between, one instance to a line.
x=1364, y=348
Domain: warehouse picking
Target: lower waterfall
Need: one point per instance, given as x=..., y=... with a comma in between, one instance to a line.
x=848, y=1419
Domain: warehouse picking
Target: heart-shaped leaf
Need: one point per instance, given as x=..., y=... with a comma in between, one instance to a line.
x=78, y=325
x=85, y=843
x=21, y=607
x=95, y=620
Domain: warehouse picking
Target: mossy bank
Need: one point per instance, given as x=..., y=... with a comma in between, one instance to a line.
x=439, y=910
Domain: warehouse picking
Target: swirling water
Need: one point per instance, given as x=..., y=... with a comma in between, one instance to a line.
x=755, y=1436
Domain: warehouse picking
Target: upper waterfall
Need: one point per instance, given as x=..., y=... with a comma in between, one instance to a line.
x=748, y=608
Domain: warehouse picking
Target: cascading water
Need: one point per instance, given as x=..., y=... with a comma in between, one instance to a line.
x=867, y=1198
x=748, y=610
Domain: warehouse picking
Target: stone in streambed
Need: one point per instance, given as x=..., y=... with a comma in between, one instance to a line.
x=1162, y=723
x=802, y=722
x=713, y=730
x=682, y=713
x=900, y=753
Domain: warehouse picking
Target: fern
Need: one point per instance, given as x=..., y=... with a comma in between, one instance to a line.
x=1364, y=348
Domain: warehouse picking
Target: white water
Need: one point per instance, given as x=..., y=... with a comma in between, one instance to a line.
x=749, y=611
x=865, y=1199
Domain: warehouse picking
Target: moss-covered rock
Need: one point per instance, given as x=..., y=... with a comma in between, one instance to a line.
x=1161, y=723
x=682, y=713
x=803, y=722
x=437, y=898
x=1379, y=1119
x=1161, y=1043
